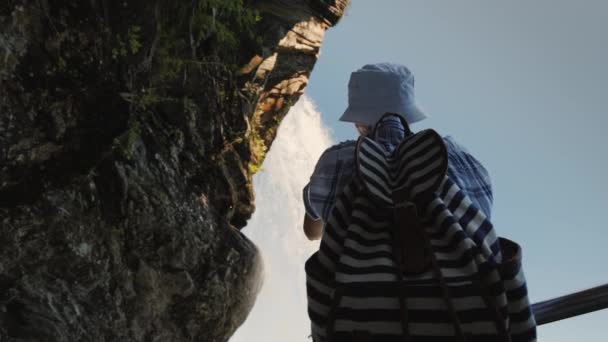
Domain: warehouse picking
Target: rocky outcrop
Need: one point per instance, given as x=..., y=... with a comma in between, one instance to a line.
x=129, y=132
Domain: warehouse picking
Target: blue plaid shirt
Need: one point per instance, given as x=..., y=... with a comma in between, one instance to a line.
x=336, y=167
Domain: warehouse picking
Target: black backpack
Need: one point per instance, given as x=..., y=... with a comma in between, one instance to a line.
x=406, y=256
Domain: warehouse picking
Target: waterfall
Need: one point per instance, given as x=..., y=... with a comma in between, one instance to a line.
x=276, y=228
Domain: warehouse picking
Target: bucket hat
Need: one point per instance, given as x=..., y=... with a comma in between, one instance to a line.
x=381, y=88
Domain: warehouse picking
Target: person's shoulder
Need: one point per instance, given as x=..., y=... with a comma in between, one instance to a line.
x=460, y=156
x=342, y=145
x=339, y=153
x=339, y=149
x=453, y=145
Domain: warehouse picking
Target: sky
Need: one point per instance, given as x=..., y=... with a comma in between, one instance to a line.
x=520, y=83
x=523, y=85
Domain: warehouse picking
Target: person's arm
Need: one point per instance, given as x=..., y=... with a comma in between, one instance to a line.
x=313, y=224
x=325, y=183
x=470, y=175
x=313, y=228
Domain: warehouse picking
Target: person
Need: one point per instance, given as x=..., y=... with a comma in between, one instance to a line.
x=373, y=91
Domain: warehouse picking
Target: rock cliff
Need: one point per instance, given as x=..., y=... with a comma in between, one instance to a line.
x=129, y=132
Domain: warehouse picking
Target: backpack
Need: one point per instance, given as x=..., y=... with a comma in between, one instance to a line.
x=406, y=256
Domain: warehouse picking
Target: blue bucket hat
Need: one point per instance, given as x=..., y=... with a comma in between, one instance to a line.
x=376, y=89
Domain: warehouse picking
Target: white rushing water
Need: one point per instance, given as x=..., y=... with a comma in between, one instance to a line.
x=276, y=228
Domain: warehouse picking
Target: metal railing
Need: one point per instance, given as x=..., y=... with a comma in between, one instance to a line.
x=574, y=304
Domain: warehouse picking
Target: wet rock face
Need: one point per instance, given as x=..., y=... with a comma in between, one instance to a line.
x=129, y=132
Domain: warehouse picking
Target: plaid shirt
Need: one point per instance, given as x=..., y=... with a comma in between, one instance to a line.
x=336, y=167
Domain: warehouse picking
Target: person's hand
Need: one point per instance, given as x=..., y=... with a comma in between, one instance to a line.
x=313, y=228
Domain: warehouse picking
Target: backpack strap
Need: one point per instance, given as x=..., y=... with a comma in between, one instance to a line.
x=404, y=123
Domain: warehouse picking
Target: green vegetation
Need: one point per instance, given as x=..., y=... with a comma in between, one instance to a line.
x=215, y=31
x=258, y=153
x=130, y=44
x=196, y=53
x=134, y=39
x=127, y=142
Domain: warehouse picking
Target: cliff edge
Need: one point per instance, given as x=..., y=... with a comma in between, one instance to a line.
x=129, y=132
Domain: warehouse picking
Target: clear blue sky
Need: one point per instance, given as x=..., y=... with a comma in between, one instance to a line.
x=523, y=84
